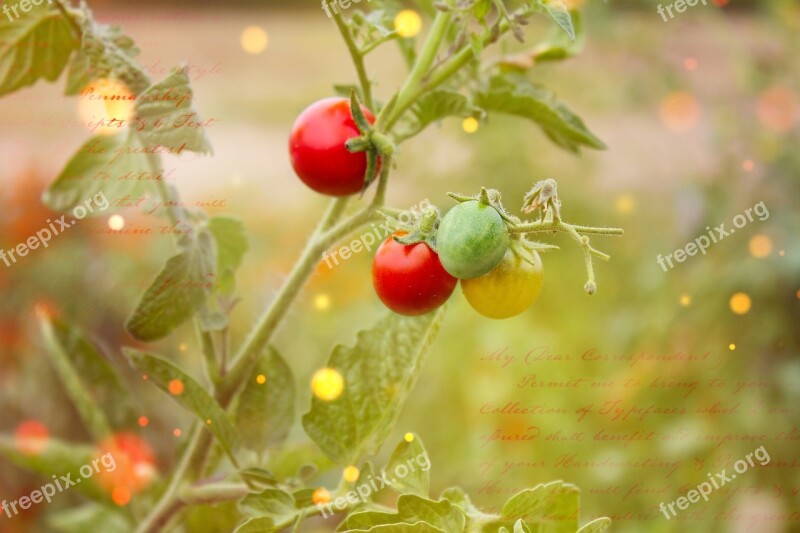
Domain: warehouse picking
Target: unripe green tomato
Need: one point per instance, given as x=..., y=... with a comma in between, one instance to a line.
x=508, y=290
x=472, y=239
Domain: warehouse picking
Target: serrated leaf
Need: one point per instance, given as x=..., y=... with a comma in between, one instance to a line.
x=56, y=458
x=166, y=105
x=91, y=382
x=97, y=168
x=265, y=412
x=411, y=509
x=192, y=397
x=179, y=291
x=596, y=526
x=551, y=507
x=232, y=244
x=438, y=105
x=418, y=527
x=407, y=455
x=516, y=96
x=89, y=412
x=257, y=525
x=379, y=372
x=559, y=12
x=275, y=504
x=36, y=45
x=105, y=53
x=101, y=519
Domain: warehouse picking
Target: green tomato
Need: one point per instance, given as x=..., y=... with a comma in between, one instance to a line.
x=508, y=290
x=472, y=239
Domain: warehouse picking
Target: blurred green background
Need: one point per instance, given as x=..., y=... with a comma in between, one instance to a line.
x=701, y=117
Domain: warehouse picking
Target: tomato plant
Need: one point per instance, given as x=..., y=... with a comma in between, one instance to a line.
x=244, y=409
x=508, y=289
x=409, y=278
x=317, y=148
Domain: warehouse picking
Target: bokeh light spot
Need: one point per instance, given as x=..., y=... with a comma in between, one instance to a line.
x=760, y=246
x=740, y=303
x=254, y=40
x=470, y=125
x=680, y=111
x=116, y=222
x=327, y=384
x=175, y=387
x=350, y=474
x=407, y=23
x=121, y=496
x=686, y=300
x=261, y=379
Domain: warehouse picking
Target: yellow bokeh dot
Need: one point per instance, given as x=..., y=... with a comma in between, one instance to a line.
x=407, y=23
x=740, y=303
x=116, y=222
x=322, y=302
x=321, y=496
x=183, y=347
x=686, y=300
x=470, y=124
x=409, y=437
x=680, y=111
x=208, y=421
x=731, y=346
x=261, y=379
x=760, y=246
x=254, y=40
x=327, y=384
x=350, y=474
x=625, y=204
x=106, y=105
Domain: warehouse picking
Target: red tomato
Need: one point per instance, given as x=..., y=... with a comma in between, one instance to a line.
x=410, y=279
x=317, y=150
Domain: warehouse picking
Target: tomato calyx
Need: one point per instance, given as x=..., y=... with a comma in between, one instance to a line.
x=373, y=142
x=423, y=229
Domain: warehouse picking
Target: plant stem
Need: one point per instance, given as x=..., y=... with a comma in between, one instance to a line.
x=358, y=60
x=422, y=65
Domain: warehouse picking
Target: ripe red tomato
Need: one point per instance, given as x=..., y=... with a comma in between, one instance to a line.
x=410, y=279
x=317, y=149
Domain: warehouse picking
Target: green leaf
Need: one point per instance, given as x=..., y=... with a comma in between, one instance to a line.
x=418, y=527
x=275, y=504
x=179, y=291
x=100, y=518
x=558, y=46
x=596, y=526
x=411, y=510
x=258, y=476
x=265, y=412
x=232, y=245
x=90, y=413
x=438, y=105
x=97, y=378
x=58, y=458
x=164, y=109
x=407, y=455
x=559, y=12
x=36, y=45
x=553, y=507
x=515, y=95
x=379, y=373
x=193, y=397
x=106, y=53
x=257, y=525
x=106, y=165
